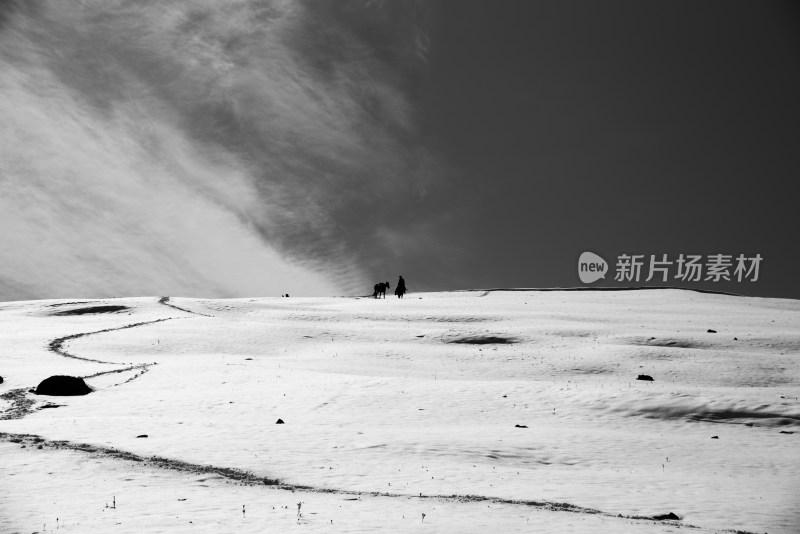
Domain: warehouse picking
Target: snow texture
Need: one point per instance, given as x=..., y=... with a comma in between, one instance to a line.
x=515, y=411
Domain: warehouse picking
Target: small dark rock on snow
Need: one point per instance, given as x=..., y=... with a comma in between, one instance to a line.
x=645, y=377
x=1, y=379
x=63, y=386
x=712, y=331
x=279, y=422
x=520, y=426
x=142, y=436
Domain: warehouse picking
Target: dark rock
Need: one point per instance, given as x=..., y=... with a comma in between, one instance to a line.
x=666, y=517
x=714, y=437
x=279, y=422
x=1, y=379
x=786, y=432
x=712, y=331
x=63, y=386
x=142, y=436
x=520, y=426
x=645, y=377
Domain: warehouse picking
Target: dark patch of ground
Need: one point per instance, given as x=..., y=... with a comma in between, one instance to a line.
x=771, y=419
x=457, y=319
x=483, y=340
x=59, y=304
x=21, y=405
x=668, y=342
x=93, y=309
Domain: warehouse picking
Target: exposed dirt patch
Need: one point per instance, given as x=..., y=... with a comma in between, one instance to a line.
x=483, y=340
x=457, y=319
x=730, y=415
x=758, y=418
x=668, y=342
x=59, y=304
x=93, y=309
x=21, y=404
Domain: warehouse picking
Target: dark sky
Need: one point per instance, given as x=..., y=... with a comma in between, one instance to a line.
x=616, y=127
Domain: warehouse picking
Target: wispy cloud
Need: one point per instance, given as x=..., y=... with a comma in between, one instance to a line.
x=201, y=149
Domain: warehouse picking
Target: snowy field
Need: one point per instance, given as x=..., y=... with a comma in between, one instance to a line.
x=501, y=411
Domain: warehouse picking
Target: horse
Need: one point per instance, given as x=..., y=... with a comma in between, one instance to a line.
x=380, y=289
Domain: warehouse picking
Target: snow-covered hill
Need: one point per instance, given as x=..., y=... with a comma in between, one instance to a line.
x=514, y=411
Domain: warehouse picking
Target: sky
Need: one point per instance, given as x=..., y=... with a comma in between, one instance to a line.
x=619, y=128
x=269, y=147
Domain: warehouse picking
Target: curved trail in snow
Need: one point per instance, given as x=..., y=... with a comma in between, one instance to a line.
x=57, y=345
x=240, y=476
x=165, y=302
x=21, y=405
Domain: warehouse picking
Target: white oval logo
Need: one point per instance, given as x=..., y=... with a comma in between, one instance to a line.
x=591, y=267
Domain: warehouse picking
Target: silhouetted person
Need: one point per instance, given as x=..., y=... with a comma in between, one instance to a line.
x=400, y=290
